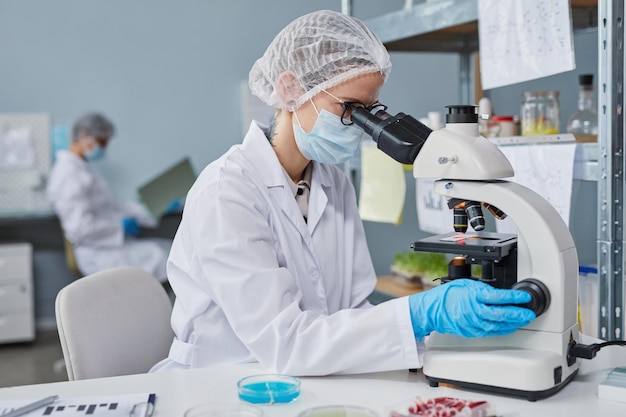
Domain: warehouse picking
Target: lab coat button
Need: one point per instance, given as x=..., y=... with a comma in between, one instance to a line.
x=315, y=273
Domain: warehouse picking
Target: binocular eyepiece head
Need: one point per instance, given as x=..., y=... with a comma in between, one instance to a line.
x=400, y=136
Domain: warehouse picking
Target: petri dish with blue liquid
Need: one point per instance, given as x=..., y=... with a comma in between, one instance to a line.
x=268, y=389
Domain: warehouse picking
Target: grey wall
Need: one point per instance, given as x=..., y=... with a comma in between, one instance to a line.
x=169, y=74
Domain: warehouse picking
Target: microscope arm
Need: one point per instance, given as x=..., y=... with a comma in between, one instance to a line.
x=545, y=246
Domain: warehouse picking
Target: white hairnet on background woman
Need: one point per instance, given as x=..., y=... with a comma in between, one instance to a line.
x=270, y=262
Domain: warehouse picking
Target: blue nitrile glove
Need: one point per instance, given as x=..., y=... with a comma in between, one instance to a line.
x=130, y=226
x=468, y=308
x=173, y=207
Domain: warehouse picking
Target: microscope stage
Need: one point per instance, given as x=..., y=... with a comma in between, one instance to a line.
x=484, y=245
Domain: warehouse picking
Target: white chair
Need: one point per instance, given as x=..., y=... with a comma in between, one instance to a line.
x=114, y=322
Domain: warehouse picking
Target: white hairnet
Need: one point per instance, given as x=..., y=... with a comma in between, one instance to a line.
x=321, y=49
x=94, y=125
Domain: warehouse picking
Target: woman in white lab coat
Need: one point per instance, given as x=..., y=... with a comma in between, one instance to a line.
x=270, y=262
x=101, y=229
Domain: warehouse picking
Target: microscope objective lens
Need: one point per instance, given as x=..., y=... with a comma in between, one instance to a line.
x=460, y=220
x=475, y=215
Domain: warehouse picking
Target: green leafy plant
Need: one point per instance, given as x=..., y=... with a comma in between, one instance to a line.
x=429, y=265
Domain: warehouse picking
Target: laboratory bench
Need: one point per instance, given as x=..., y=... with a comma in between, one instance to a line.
x=42, y=229
x=41, y=232
x=177, y=391
x=389, y=287
x=393, y=286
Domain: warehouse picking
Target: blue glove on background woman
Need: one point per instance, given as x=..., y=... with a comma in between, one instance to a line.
x=468, y=308
x=130, y=226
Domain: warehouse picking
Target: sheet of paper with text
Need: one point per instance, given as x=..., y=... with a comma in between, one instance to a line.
x=522, y=40
x=383, y=186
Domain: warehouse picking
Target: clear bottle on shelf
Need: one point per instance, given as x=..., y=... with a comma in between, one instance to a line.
x=583, y=123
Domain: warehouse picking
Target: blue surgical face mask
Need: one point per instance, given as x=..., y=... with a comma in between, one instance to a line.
x=330, y=141
x=95, y=153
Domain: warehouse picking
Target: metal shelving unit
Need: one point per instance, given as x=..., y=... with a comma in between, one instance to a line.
x=452, y=26
x=611, y=187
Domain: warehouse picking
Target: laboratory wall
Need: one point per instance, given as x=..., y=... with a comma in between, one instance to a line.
x=170, y=74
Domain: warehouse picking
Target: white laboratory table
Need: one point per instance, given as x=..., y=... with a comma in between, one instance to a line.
x=177, y=391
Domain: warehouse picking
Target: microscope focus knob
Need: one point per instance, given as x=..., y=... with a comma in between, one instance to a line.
x=538, y=292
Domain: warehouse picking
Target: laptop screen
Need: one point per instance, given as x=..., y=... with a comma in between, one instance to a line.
x=173, y=184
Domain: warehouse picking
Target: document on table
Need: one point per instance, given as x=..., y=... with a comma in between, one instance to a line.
x=96, y=406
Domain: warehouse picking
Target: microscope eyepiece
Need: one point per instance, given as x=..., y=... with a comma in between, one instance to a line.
x=400, y=136
x=369, y=122
x=461, y=113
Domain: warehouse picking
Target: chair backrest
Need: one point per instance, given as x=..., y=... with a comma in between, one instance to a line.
x=70, y=259
x=114, y=322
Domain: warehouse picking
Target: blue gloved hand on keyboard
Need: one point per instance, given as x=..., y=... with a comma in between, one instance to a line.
x=174, y=206
x=130, y=226
x=468, y=308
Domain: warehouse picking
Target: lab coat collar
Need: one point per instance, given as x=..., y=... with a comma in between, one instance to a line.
x=259, y=151
x=64, y=154
x=67, y=157
x=261, y=156
x=320, y=184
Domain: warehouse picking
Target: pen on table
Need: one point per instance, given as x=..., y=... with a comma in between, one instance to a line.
x=142, y=409
x=31, y=407
x=150, y=409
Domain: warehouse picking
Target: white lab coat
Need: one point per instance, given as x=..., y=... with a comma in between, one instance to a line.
x=91, y=218
x=254, y=282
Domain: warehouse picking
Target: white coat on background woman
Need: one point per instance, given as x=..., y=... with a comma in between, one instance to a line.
x=101, y=228
x=270, y=261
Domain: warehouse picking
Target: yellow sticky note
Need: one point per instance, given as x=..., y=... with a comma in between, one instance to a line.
x=383, y=187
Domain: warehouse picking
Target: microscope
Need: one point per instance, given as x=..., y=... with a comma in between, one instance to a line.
x=535, y=361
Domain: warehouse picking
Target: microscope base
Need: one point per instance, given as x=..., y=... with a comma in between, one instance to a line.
x=529, y=395
x=533, y=374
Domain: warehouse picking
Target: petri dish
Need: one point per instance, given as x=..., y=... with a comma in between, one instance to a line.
x=223, y=410
x=268, y=389
x=338, y=411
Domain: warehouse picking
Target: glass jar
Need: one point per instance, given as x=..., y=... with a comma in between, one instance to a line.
x=540, y=113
